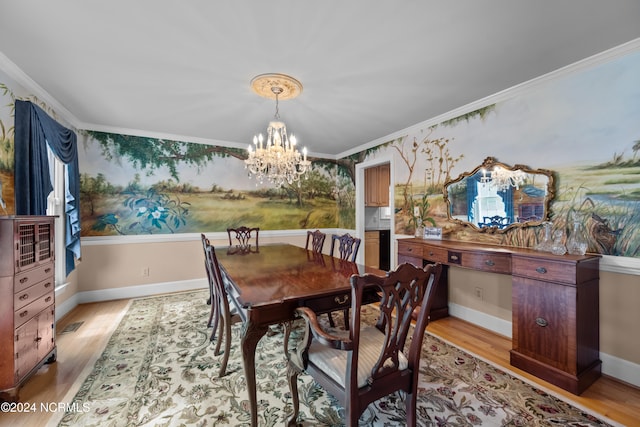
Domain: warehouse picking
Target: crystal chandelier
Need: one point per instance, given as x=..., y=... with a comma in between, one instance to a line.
x=276, y=159
x=502, y=179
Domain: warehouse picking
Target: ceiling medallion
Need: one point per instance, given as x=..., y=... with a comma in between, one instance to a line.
x=263, y=85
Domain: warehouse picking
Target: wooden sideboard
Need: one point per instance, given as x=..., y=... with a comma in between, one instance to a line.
x=555, y=304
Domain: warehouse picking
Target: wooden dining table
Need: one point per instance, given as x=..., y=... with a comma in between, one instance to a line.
x=269, y=282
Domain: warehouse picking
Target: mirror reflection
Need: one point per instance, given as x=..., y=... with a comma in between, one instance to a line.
x=495, y=197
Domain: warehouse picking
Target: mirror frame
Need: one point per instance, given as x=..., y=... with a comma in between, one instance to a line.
x=488, y=164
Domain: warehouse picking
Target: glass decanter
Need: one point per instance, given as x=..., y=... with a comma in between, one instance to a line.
x=558, y=247
x=577, y=241
x=547, y=243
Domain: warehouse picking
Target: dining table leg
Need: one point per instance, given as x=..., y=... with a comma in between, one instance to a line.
x=251, y=336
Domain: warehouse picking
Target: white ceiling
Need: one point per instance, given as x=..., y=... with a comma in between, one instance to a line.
x=181, y=69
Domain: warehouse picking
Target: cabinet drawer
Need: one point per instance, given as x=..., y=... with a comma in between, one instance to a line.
x=491, y=262
x=30, y=277
x=32, y=293
x=544, y=269
x=410, y=248
x=435, y=254
x=30, y=310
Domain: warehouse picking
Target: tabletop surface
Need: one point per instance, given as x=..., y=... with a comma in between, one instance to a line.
x=281, y=272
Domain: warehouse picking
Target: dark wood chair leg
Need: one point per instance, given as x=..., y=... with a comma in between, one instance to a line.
x=331, y=322
x=292, y=375
x=227, y=347
x=411, y=402
x=220, y=338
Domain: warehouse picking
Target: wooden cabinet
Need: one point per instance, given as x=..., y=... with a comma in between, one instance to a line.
x=555, y=304
x=376, y=185
x=372, y=249
x=27, y=299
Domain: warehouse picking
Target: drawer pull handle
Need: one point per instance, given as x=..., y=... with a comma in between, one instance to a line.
x=430, y=253
x=341, y=301
x=490, y=263
x=47, y=285
x=24, y=279
x=454, y=257
x=541, y=270
x=24, y=313
x=47, y=299
x=541, y=322
x=38, y=339
x=409, y=249
x=23, y=297
x=47, y=270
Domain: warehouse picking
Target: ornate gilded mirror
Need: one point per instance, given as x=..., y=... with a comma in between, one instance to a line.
x=495, y=197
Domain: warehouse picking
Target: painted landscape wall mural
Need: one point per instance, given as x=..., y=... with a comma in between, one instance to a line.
x=137, y=185
x=585, y=127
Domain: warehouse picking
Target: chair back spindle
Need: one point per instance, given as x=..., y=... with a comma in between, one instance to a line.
x=244, y=236
x=347, y=246
x=316, y=239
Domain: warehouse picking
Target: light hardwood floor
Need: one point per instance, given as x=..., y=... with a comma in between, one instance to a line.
x=77, y=351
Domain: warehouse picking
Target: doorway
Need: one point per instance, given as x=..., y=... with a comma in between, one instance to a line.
x=374, y=212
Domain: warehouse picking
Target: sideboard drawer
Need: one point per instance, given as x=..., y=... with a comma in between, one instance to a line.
x=410, y=248
x=491, y=262
x=544, y=269
x=435, y=254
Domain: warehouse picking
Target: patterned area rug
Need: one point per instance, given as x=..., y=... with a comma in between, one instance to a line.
x=158, y=369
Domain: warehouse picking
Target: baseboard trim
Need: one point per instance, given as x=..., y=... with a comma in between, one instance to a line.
x=484, y=320
x=615, y=367
x=128, y=292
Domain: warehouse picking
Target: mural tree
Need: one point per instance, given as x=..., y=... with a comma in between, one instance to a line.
x=438, y=157
x=150, y=154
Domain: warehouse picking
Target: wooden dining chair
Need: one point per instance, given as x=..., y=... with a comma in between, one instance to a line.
x=372, y=361
x=347, y=246
x=205, y=243
x=244, y=236
x=224, y=310
x=347, y=250
x=316, y=239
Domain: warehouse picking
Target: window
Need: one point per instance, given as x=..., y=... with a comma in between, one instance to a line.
x=56, y=206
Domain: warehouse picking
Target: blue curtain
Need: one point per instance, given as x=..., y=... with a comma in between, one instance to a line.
x=34, y=129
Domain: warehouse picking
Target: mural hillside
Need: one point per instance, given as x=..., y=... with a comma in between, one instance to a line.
x=137, y=185
x=584, y=127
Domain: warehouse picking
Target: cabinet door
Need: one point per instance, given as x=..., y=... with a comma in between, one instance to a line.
x=384, y=181
x=26, y=354
x=45, y=339
x=372, y=248
x=544, y=322
x=34, y=243
x=371, y=187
